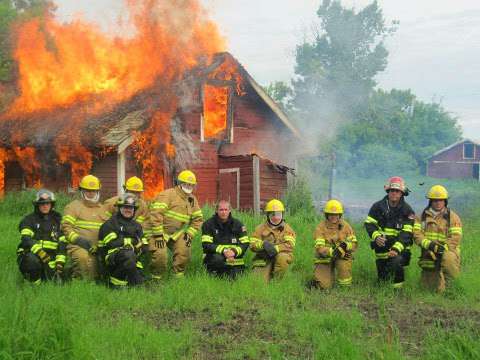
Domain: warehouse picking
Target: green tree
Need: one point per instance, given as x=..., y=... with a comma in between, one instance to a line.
x=7, y=15
x=335, y=73
x=281, y=93
x=396, y=129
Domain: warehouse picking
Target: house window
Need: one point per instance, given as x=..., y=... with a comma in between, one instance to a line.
x=468, y=150
x=215, y=121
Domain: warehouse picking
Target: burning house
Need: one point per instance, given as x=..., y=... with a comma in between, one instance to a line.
x=216, y=120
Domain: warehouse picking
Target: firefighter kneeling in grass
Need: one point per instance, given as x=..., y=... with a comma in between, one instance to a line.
x=225, y=242
x=273, y=243
x=335, y=243
x=41, y=252
x=438, y=232
x=390, y=226
x=121, y=243
x=80, y=224
x=175, y=219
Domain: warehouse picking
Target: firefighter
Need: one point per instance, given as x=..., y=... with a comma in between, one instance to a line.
x=80, y=224
x=41, y=252
x=133, y=185
x=121, y=243
x=273, y=243
x=390, y=226
x=335, y=243
x=175, y=219
x=438, y=232
x=225, y=242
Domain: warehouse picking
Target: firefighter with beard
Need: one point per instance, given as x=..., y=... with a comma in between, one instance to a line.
x=175, y=219
x=335, y=243
x=41, y=252
x=390, y=226
x=121, y=244
x=273, y=243
x=438, y=232
x=225, y=242
x=80, y=224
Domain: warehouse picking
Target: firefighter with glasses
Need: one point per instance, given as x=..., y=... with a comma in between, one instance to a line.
x=438, y=232
x=41, y=252
x=122, y=244
x=335, y=243
x=175, y=219
x=80, y=224
x=390, y=226
x=273, y=243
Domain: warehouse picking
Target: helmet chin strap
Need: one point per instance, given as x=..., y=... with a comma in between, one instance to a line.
x=94, y=200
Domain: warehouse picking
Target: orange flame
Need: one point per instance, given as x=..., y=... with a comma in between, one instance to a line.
x=215, y=109
x=65, y=64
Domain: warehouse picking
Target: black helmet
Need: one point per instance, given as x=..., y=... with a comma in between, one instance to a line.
x=44, y=196
x=127, y=199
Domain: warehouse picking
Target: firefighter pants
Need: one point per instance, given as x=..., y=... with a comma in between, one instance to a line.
x=325, y=273
x=272, y=268
x=32, y=268
x=181, y=257
x=391, y=269
x=123, y=269
x=216, y=265
x=436, y=277
x=84, y=264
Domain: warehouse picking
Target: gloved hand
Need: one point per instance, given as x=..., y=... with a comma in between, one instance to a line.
x=44, y=257
x=380, y=241
x=93, y=250
x=269, y=249
x=59, y=268
x=83, y=243
x=26, y=242
x=188, y=240
x=340, y=251
x=159, y=241
x=436, y=247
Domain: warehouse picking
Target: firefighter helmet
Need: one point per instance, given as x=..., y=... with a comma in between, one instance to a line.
x=274, y=205
x=396, y=183
x=44, y=196
x=90, y=182
x=134, y=184
x=437, y=192
x=333, y=207
x=127, y=200
x=188, y=177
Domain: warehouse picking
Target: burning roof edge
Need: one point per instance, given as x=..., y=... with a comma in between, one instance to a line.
x=453, y=145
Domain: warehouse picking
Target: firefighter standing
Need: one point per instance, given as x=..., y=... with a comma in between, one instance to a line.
x=273, y=243
x=133, y=185
x=175, y=219
x=80, y=224
x=121, y=243
x=225, y=242
x=41, y=252
x=390, y=226
x=438, y=232
x=335, y=243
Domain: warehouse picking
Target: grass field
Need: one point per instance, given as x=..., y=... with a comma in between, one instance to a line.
x=205, y=318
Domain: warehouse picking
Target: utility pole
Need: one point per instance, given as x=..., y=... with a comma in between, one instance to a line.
x=333, y=173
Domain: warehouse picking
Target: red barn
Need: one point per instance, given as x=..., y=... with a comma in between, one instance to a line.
x=457, y=161
x=224, y=127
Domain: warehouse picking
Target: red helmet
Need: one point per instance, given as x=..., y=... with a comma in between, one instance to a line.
x=397, y=183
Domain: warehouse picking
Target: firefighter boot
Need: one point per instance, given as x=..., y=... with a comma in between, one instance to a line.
x=31, y=267
x=324, y=276
x=450, y=269
x=181, y=256
x=84, y=264
x=158, y=260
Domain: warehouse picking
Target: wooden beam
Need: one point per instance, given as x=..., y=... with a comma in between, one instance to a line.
x=256, y=184
x=121, y=160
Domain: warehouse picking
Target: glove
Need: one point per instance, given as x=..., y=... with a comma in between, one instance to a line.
x=44, y=257
x=93, y=250
x=269, y=249
x=83, y=243
x=436, y=248
x=159, y=241
x=339, y=252
x=26, y=243
x=59, y=268
x=188, y=240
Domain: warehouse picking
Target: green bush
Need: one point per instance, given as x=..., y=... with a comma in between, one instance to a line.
x=298, y=198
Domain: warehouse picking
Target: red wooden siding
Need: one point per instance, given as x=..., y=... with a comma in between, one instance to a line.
x=106, y=170
x=245, y=164
x=273, y=184
x=450, y=164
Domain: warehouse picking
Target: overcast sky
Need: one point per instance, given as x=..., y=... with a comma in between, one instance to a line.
x=435, y=51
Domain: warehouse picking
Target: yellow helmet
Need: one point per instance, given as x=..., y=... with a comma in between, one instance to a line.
x=90, y=182
x=274, y=205
x=437, y=192
x=333, y=207
x=134, y=184
x=186, y=176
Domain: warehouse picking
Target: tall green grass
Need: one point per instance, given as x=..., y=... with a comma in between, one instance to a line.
x=201, y=317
